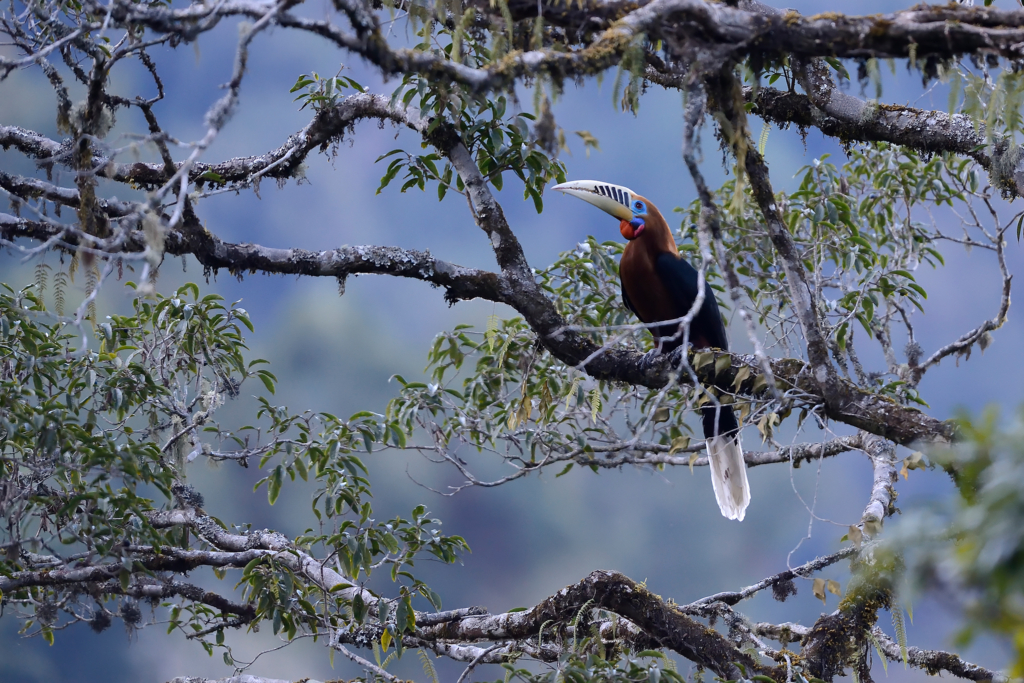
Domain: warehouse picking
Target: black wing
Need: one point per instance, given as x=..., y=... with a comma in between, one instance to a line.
x=625, y=299
x=680, y=279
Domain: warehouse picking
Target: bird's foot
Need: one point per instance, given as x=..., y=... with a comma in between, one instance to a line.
x=647, y=360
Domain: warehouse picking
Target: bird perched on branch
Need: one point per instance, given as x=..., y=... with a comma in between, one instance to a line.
x=661, y=287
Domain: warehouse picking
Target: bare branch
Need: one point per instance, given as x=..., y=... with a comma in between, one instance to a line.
x=214, y=254
x=255, y=544
x=614, y=592
x=25, y=188
x=967, y=340
x=883, y=493
x=429, y=619
x=939, y=31
x=936, y=661
x=241, y=678
x=32, y=144
x=804, y=570
x=366, y=664
x=476, y=660
x=144, y=587
x=631, y=452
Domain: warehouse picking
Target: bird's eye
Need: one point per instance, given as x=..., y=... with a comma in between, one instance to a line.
x=639, y=205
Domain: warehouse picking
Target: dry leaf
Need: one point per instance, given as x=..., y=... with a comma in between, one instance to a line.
x=819, y=590
x=914, y=461
x=741, y=375
x=766, y=425
x=679, y=443
x=722, y=363
x=760, y=383
x=702, y=359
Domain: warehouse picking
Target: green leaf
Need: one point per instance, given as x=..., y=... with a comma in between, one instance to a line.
x=267, y=378
x=392, y=152
x=274, y=484
x=358, y=608
x=301, y=83
x=838, y=66
x=538, y=201
x=405, y=616
x=651, y=653
x=213, y=176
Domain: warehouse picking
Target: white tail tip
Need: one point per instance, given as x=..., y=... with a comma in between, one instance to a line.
x=729, y=475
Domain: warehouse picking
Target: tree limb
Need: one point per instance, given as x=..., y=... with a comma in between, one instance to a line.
x=241, y=678
x=612, y=591
x=806, y=569
x=515, y=286
x=215, y=254
x=936, y=661
x=883, y=494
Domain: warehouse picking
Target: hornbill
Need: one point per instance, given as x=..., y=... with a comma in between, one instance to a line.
x=658, y=285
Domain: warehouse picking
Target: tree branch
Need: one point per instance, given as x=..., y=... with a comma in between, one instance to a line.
x=515, y=286
x=871, y=412
x=366, y=664
x=665, y=623
x=213, y=253
x=258, y=543
x=936, y=661
x=150, y=588
x=967, y=340
x=934, y=31
x=883, y=493
x=614, y=455
x=241, y=678
x=834, y=640
x=31, y=188
x=733, y=597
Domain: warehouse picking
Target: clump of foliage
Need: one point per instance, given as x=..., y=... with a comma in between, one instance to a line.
x=978, y=557
x=95, y=438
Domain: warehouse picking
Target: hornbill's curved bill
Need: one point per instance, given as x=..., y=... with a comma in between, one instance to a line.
x=659, y=285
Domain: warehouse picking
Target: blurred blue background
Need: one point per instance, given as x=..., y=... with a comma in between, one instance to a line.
x=335, y=353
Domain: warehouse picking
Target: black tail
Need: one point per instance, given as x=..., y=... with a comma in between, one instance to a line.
x=725, y=418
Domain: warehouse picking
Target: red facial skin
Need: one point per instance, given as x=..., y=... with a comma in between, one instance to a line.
x=627, y=230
